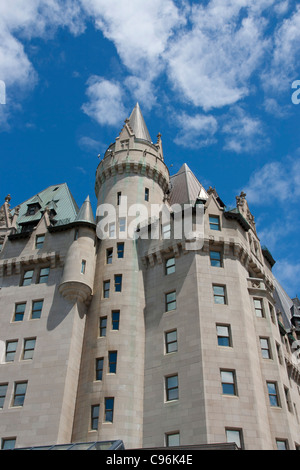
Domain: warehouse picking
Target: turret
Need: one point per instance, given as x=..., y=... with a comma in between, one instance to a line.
x=79, y=269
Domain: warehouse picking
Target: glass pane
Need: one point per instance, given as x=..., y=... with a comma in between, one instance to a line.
x=222, y=330
x=172, y=347
x=233, y=436
x=173, y=440
x=219, y=290
x=172, y=381
x=172, y=336
x=223, y=341
x=11, y=346
x=227, y=377
x=171, y=296
x=20, y=308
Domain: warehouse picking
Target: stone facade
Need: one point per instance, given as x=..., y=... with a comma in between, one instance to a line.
x=144, y=340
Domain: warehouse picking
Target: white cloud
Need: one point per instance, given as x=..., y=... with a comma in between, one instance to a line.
x=211, y=64
x=195, y=131
x=288, y=274
x=105, y=103
x=276, y=182
x=244, y=134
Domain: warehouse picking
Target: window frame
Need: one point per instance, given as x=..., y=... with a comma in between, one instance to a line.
x=120, y=251
x=229, y=385
x=221, y=337
x=113, y=321
x=273, y=395
x=95, y=413
x=220, y=296
x=3, y=392
x=99, y=370
x=112, y=362
x=28, y=350
x=220, y=260
x=25, y=278
x=171, y=389
x=171, y=267
x=169, y=302
x=261, y=309
x=34, y=311
x=168, y=343
x=39, y=244
x=109, y=411
x=11, y=354
x=102, y=327
x=216, y=226
x=118, y=281
x=18, y=397
x=267, y=349
x=109, y=255
x=43, y=278
x=106, y=290
x=21, y=313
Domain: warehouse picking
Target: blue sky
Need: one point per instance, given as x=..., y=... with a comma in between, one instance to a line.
x=214, y=77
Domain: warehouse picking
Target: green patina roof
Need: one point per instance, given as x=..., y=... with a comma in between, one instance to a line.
x=57, y=197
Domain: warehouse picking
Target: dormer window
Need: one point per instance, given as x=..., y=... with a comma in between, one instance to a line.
x=32, y=209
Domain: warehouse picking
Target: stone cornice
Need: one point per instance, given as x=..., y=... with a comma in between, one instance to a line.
x=14, y=265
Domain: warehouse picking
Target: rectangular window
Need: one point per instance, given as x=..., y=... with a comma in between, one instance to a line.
x=171, y=301
x=214, y=222
x=224, y=335
x=112, y=362
x=103, y=325
x=112, y=230
x=8, y=444
x=288, y=399
x=236, y=436
x=44, y=274
x=258, y=306
x=109, y=409
x=11, y=348
x=99, y=368
x=83, y=266
x=228, y=382
x=146, y=194
x=170, y=266
x=29, y=345
x=115, y=319
x=282, y=444
x=173, y=439
x=265, y=348
x=27, y=277
x=19, y=312
x=106, y=289
x=109, y=255
x=95, y=417
x=37, y=306
x=273, y=394
x=118, y=282
x=119, y=198
x=3, y=390
x=272, y=313
x=171, y=341
x=122, y=224
x=166, y=231
x=215, y=259
x=19, y=393
x=172, y=388
x=219, y=294
x=120, y=250
x=39, y=241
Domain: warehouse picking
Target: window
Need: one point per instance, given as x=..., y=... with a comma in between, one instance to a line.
x=171, y=341
x=95, y=417
x=122, y=224
x=29, y=345
x=282, y=444
x=173, y=439
x=112, y=362
x=170, y=266
x=172, y=388
x=120, y=250
x=109, y=409
x=279, y=354
x=224, y=335
x=235, y=435
x=19, y=393
x=11, y=348
x=215, y=259
x=109, y=255
x=115, y=319
x=272, y=313
x=99, y=368
x=106, y=289
x=219, y=294
x=39, y=241
x=36, y=311
x=8, y=444
x=258, y=306
x=265, y=348
x=27, y=277
x=83, y=266
x=166, y=231
x=273, y=393
x=118, y=282
x=19, y=312
x=3, y=390
x=288, y=399
x=228, y=382
x=112, y=230
x=171, y=301
x=103, y=325
x=119, y=198
x=44, y=274
x=214, y=222
x=146, y=194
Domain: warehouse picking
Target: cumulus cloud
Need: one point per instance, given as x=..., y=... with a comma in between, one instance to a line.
x=105, y=103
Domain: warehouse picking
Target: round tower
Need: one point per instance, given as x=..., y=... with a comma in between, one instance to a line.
x=132, y=170
x=79, y=269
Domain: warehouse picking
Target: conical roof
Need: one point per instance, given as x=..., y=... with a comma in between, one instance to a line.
x=185, y=187
x=86, y=212
x=138, y=125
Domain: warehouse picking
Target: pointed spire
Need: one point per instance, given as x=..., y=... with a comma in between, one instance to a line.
x=185, y=187
x=138, y=125
x=86, y=212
